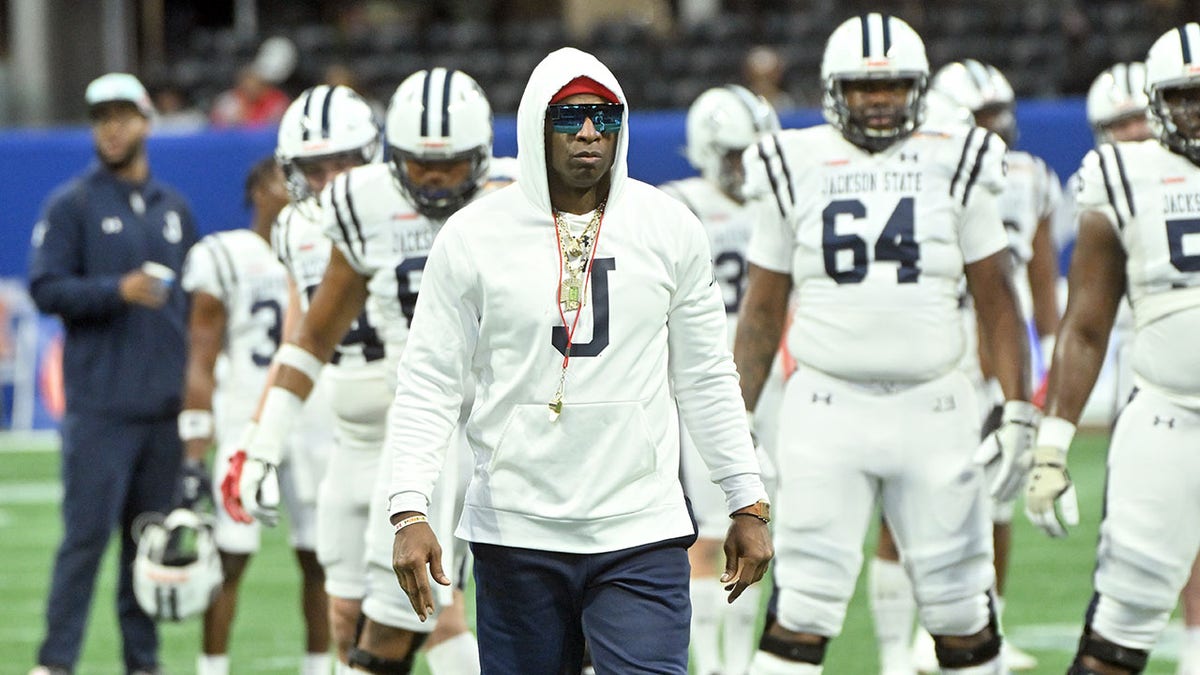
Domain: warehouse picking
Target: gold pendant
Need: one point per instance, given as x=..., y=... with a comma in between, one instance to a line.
x=555, y=406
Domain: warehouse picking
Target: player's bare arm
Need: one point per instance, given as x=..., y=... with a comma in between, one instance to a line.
x=1096, y=282
x=761, y=321
x=206, y=333
x=1043, y=280
x=339, y=300
x=1003, y=338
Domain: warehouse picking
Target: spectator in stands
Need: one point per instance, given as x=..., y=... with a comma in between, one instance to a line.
x=175, y=110
x=762, y=71
x=105, y=253
x=253, y=101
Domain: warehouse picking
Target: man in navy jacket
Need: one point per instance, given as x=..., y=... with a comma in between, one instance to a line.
x=105, y=255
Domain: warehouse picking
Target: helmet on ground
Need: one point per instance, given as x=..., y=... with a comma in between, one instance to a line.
x=177, y=569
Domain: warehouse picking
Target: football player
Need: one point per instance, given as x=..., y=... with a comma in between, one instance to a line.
x=238, y=294
x=875, y=224
x=382, y=220
x=1138, y=221
x=721, y=123
x=1027, y=207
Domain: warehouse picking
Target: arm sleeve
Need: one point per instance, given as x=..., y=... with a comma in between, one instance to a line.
x=431, y=373
x=203, y=272
x=703, y=375
x=771, y=240
x=56, y=282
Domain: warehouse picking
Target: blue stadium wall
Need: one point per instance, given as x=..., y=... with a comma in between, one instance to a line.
x=209, y=167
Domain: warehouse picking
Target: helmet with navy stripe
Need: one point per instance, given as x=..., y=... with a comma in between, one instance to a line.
x=722, y=122
x=1173, y=87
x=874, y=50
x=324, y=123
x=439, y=116
x=1116, y=95
x=982, y=89
x=177, y=569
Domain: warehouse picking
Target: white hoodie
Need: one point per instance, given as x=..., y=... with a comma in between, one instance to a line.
x=605, y=475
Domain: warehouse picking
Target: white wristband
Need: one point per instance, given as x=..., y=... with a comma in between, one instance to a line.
x=195, y=423
x=1055, y=432
x=299, y=358
x=411, y=520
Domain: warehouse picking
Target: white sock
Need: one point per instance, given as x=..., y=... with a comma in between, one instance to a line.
x=999, y=604
x=892, y=608
x=457, y=656
x=1189, y=651
x=340, y=668
x=738, y=629
x=706, y=595
x=315, y=663
x=769, y=664
x=212, y=664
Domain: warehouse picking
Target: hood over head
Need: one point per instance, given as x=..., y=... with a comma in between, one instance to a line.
x=558, y=70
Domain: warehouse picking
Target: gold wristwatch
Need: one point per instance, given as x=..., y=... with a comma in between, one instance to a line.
x=760, y=510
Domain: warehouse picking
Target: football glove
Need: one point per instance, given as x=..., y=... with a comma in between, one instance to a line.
x=1005, y=453
x=1050, y=501
x=195, y=485
x=250, y=490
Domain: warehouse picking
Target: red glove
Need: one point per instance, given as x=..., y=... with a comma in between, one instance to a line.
x=231, y=493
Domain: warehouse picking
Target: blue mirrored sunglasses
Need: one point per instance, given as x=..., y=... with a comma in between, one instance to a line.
x=569, y=119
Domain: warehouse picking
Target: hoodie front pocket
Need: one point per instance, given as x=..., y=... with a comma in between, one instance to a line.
x=597, y=461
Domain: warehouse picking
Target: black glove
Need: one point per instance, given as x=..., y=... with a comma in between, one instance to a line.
x=195, y=484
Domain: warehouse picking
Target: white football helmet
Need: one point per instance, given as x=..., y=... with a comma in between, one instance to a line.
x=1116, y=94
x=1173, y=68
x=873, y=47
x=723, y=120
x=439, y=115
x=324, y=122
x=982, y=89
x=177, y=571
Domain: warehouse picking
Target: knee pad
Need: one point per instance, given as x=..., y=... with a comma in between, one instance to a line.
x=978, y=654
x=959, y=617
x=1108, y=652
x=1133, y=625
x=798, y=652
x=364, y=660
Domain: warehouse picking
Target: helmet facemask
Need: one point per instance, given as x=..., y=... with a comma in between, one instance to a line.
x=876, y=126
x=1175, y=112
x=300, y=192
x=439, y=202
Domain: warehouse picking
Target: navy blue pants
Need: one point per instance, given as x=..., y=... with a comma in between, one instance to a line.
x=112, y=471
x=535, y=609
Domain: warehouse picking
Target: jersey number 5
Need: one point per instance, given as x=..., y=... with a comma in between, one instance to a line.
x=896, y=242
x=1176, y=231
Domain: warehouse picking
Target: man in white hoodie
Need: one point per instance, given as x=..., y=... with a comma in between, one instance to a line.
x=579, y=300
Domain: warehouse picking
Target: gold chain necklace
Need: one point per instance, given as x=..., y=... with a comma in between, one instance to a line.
x=575, y=252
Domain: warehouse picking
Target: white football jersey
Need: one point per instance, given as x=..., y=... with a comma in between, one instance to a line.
x=728, y=224
x=238, y=268
x=1152, y=197
x=304, y=249
x=876, y=243
x=1031, y=193
x=386, y=239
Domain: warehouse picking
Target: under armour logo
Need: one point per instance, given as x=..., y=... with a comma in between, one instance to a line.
x=827, y=399
x=111, y=225
x=1168, y=422
x=173, y=228
x=944, y=404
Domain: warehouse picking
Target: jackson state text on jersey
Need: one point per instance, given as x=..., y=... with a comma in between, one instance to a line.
x=875, y=244
x=1152, y=197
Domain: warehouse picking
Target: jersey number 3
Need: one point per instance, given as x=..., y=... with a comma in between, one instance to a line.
x=895, y=243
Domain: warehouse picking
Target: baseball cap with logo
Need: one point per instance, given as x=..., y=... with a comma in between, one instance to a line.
x=119, y=87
